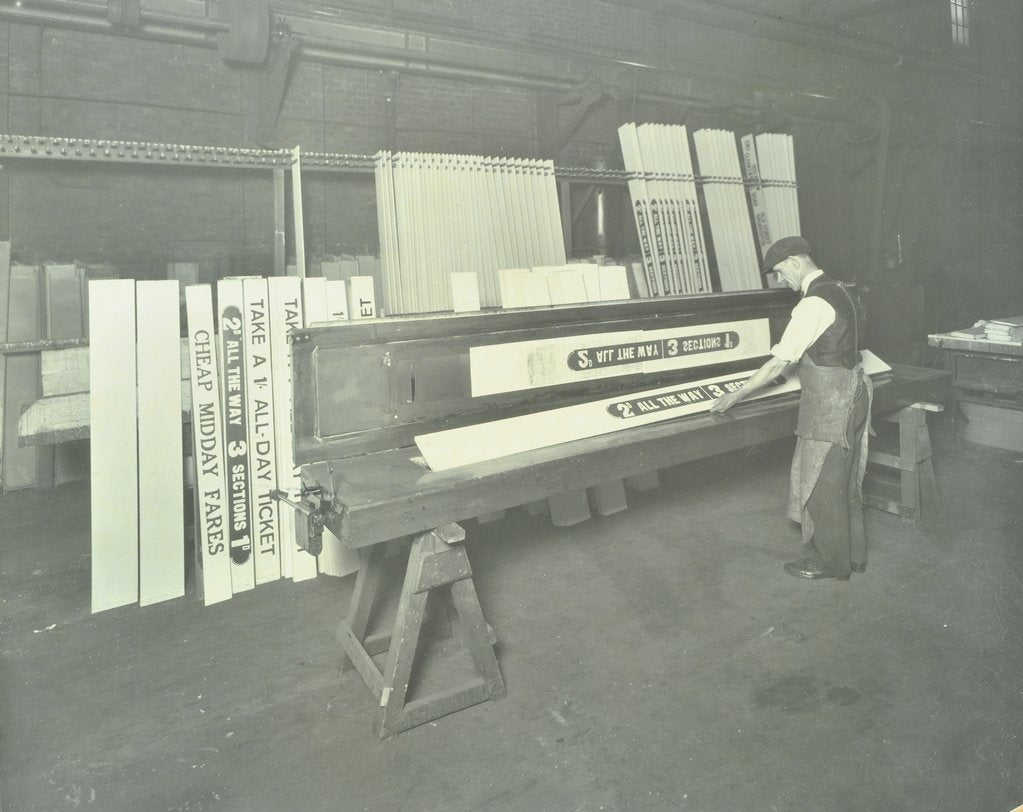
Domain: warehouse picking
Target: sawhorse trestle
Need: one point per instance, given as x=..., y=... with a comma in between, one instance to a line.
x=436, y=561
x=917, y=487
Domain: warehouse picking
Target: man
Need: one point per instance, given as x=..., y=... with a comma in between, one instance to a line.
x=825, y=493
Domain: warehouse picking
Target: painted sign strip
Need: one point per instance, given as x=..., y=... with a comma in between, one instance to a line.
x=756, y=194
x=285, y=298
x=161, y=500
x=262, y=452
x=519, y=365
x=231, y=305
x=487, y=441
x=337, y=300
x=362, y=303
x=114, y=444
x=312, y=307
x=208, y=445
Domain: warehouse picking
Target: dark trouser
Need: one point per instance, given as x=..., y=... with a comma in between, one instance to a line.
x=835, y=505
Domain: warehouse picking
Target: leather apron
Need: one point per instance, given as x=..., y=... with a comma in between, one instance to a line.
x=825, y=406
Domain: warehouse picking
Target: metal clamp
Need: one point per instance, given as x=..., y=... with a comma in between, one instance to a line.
x=312, y=540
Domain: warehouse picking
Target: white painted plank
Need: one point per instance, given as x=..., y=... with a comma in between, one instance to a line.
x=486, y=441
x=114, y=442
x=313, y=311
x=612, y=282
x=285, y=298
x=161, y=478
x=296, y=205
x=262, y=453
x=465, y=292
x=521, y=288
x=565, y=287
x=208, y=445
x=230, y=305
x=314, y=301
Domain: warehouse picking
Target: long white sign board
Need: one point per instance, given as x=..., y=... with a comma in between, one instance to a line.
x=498, y=438
x=518, y=365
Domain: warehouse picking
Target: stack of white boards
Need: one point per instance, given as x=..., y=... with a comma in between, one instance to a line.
x=573, y=283
x=239, y=398
x=440, y=214
x=769, y=162
x=665, y=207
x=730, y=225
x=663, y=187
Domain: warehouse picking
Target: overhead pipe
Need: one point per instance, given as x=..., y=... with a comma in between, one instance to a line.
x=203, y=32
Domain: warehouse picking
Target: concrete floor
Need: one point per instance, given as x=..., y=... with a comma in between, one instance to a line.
x=656, y=659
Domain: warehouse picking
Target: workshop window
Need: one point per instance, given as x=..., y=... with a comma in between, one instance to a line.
x=960, y=22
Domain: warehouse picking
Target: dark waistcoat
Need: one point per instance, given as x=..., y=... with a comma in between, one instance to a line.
x=828, y=370
x=836, y=347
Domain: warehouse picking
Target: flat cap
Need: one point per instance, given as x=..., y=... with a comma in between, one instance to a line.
x=783, y=249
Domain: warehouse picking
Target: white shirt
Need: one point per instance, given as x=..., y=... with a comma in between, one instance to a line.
x=810, y=318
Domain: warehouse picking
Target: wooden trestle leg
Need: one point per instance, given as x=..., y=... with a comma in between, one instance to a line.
x=433, y=563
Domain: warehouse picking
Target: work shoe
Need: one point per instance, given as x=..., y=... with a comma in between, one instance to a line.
x=808, y=568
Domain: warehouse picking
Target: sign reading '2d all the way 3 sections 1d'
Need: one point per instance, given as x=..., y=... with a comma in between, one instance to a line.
x=239, y=490
x=483, y=442
x=519, y=365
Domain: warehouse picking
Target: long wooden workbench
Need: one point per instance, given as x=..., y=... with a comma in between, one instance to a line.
x=362, y=392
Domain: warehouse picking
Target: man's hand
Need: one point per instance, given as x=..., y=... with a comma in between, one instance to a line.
x=726, y=401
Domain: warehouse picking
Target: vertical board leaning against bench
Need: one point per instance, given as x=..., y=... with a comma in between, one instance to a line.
x=161, y=499
x=262, y=454
x=114, y=458
x=317, y=295
x=286, y=315
x=208, y=446
x=230, y=305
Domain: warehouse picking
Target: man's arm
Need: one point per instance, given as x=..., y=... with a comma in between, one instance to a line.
x=810, y=318
x=772, y=368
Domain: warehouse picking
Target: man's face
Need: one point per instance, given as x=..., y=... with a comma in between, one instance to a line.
x=786, y=271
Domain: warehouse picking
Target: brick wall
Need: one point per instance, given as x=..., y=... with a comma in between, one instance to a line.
x=59, y=82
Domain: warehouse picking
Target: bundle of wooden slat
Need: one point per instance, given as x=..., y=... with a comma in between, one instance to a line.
x=776, y=160
x=440, y=214
x=665, y=207
x=725, y=196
